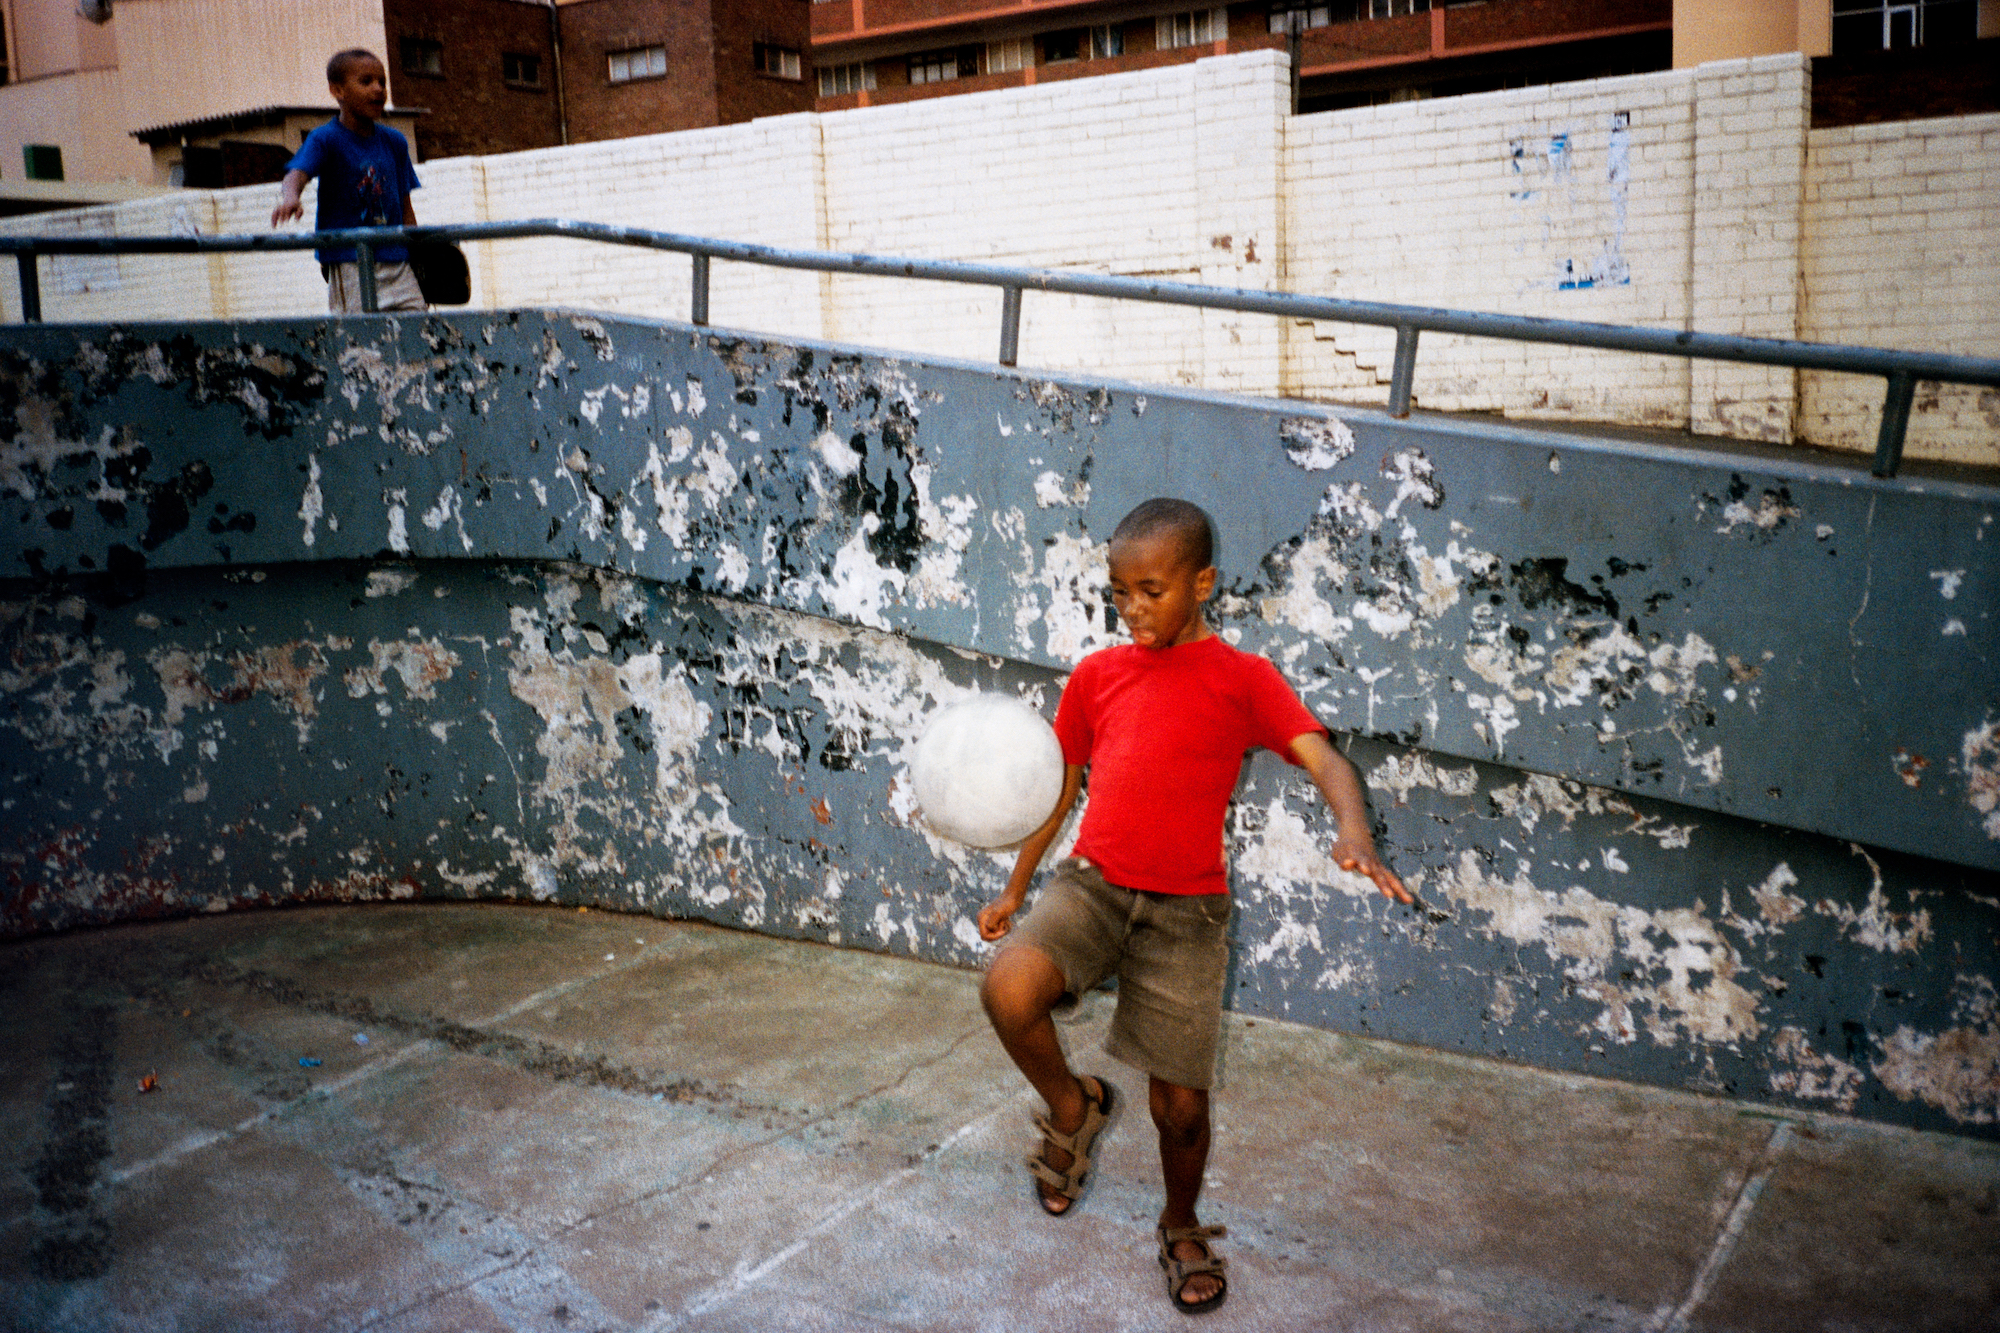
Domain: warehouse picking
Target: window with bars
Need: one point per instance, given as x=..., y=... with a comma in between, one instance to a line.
x=638, y=62
x=780, y=62
x=1191, y=28
x=1305, y=16
x=1006, y=57
x=841, y=79
x=420, y=55
x=521, y=71
x=1058, y=47
x=936, y=67
x=1861, y=26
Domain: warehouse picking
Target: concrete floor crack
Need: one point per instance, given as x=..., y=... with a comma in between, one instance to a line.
x=748, y=1275
x=1726, y=1240
x=529, y=1255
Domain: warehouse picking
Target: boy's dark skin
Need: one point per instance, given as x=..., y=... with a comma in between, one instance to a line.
x=1158, y=589
x=362, y=92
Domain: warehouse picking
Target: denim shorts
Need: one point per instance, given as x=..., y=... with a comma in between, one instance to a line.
x=1169, y=951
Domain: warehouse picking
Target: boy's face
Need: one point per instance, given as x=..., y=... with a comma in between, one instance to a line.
x=1158, y=591
x=363, y=90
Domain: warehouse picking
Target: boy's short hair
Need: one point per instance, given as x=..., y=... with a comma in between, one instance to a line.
x=336, y=68
x=1188, y=524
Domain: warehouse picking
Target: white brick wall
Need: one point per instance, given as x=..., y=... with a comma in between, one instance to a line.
x=1506, y=202
x=1749, y=163
x=1096, y=175
x=1901, y=248
x=1689, y=199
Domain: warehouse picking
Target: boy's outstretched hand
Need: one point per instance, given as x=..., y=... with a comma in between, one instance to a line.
x=289, y=206
x=1360, y=858
x=1338, y=781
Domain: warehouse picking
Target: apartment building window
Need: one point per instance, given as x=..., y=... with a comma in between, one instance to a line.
x=1006, y=57
x=842, y=79
x=1058, y=47
x=1895, y=25
x=937, y=67
x=1306, y=16
x=1106, y=40
x=780, y=62
x=43, y=161
x=637, y=62
x=521, y=71
x=1191, y=28
x=1389, y=9
x=420, y=55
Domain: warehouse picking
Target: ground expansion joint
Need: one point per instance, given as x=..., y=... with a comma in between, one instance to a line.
x=1730, y=1234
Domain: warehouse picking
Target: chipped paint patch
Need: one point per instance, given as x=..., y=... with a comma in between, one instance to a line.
x=1810, y=1076
x=1979, y=761
x=1957, y=1070
x=311, y=503
x=1401, y=774
x=1076, y=618
x=1682, y=970
x=1778, y=906
x=1316, y=443
x=421, y=664
x=388, y=582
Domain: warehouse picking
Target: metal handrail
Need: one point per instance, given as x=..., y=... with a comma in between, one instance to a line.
x=1902, y=370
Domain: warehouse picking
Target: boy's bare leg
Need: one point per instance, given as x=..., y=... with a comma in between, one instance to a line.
x=1020, y=992
x=1181, y=1116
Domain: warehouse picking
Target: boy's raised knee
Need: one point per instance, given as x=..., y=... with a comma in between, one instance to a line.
x=1020, y=989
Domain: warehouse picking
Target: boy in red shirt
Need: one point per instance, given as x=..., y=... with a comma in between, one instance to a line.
x=1163, y=724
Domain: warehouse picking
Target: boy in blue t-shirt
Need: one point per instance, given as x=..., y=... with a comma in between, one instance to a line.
x=365, y=179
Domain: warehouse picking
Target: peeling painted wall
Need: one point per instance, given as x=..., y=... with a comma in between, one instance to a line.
x=1693, y=757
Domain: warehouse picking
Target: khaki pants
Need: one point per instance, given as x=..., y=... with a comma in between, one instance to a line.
x=1170, y=953
x=395, y=289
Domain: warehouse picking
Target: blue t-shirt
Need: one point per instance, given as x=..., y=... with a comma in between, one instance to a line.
x=363, y=181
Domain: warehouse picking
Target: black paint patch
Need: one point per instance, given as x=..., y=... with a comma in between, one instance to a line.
x=271, y=391
x=1545, y=582
x=168, y=506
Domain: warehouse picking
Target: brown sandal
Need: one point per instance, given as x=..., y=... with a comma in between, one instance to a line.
x=1068, y=1182
x=1180, y=1270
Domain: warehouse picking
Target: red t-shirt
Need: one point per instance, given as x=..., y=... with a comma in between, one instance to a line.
x=1164, y=731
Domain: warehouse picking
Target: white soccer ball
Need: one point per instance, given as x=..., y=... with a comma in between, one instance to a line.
x=988, y=770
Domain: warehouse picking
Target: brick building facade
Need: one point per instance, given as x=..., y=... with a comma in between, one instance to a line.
x=483, y=70
x=499, y=75
x=1349, y=51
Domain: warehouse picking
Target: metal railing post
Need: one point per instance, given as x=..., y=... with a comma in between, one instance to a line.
x=31, y=287
x=364, y=272
x=1010, y=326
x=1895, y=423
x=698, y=295
x=1404, y=373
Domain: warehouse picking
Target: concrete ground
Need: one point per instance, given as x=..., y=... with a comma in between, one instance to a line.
x=532, y=1118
